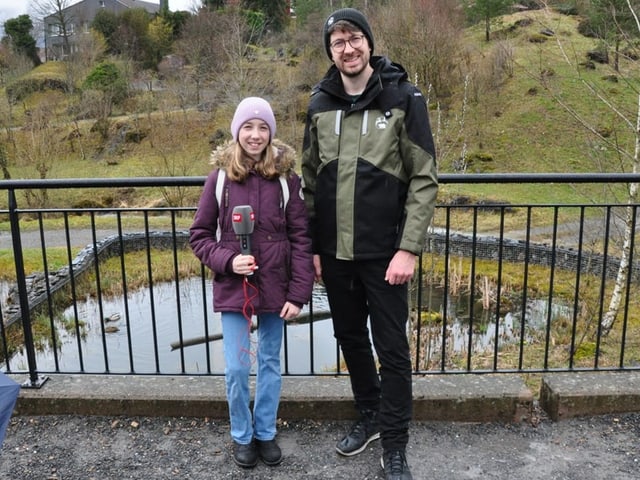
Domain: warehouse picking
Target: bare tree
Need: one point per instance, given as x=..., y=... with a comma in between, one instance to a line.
x=220, y=50
x=40, y=146
x=629, y=155
x=58, y=10
x=239, y=47
x=632, y=199
x=431, y=27
x=200, y=46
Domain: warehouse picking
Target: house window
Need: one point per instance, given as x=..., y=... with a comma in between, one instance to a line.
x=102, y=3
x=55, y=29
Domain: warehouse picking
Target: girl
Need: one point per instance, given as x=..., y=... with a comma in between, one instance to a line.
x=253, y=165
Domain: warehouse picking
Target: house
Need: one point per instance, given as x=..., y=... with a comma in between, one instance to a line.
x=62, y=30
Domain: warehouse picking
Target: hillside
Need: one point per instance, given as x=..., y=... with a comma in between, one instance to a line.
x=540, y=118
x=513, y=117
x=524, y=121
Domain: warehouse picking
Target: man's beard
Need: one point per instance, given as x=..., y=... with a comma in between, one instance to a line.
x=354, y=73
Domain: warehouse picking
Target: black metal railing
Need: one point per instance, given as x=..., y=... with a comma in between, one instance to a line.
x=501, y=286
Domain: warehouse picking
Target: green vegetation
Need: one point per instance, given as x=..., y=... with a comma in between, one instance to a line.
x=506, y=110
x=528, y=91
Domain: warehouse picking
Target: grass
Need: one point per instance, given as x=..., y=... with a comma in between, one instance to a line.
x=525, y=132
x=128, y=221
x=517, y=130
x=33, y=262
x=518, y=124
x=581, y=327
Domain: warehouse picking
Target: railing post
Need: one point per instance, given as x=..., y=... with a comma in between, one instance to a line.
x=35, y=380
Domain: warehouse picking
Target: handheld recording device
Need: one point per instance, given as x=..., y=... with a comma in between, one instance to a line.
x=243, y=220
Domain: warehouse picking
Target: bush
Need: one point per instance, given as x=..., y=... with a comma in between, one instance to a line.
x=108, y=79
x=21, y=89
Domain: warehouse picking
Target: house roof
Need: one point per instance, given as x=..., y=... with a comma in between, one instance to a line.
x=148, y=6
x=93, y=6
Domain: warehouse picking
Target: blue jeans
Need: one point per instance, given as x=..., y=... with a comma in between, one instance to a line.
x=238, y=362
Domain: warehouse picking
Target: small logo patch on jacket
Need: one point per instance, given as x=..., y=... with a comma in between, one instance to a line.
x=381, y=123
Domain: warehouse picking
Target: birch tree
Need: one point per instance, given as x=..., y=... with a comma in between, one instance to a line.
x=624, y=269
x=630, y=119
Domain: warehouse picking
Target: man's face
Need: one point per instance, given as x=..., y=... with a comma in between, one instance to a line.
x=350, y=52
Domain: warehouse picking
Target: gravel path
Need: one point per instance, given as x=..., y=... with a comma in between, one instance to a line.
x=78, y=237
x=88, y=448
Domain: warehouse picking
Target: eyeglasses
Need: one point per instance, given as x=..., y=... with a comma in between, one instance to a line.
x=339, y=45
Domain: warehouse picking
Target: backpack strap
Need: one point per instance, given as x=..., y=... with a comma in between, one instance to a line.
x=285, y=191
x=219, y=187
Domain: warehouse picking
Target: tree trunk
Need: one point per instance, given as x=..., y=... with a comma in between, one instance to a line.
x=624, y=269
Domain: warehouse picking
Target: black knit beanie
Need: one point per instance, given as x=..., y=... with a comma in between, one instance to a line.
x=351, y=15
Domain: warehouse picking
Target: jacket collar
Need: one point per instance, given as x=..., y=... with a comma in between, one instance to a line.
x=384, y=72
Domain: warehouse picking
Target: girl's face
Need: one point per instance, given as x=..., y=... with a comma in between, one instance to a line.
x=253, y=137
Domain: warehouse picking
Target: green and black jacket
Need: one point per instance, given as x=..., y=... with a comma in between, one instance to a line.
x=368, y=165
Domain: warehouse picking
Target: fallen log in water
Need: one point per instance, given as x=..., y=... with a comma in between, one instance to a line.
x=300, y=319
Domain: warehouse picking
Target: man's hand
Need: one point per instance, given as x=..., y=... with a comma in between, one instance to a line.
x=401, y=267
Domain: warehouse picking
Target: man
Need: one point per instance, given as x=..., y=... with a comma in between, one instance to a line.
x=368, y=164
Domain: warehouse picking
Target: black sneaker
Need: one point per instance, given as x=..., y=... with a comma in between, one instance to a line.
x=269, y=452
x=395, y=466
x=245, y=456
x=361, y=434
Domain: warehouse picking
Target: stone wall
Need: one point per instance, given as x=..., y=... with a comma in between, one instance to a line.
x=518, y=251
x=484, y=247
x=40, y=287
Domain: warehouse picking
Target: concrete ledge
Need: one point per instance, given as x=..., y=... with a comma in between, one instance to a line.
x=472, y=398
x=566, y=395
x=466, y=398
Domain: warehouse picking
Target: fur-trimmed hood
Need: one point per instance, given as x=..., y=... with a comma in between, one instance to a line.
x=285, y=156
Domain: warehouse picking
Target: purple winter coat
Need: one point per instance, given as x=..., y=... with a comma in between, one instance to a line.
x=280, y=241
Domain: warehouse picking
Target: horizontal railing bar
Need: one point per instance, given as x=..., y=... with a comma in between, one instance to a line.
x=195, y=181
x=480, y=178
x=104, y=211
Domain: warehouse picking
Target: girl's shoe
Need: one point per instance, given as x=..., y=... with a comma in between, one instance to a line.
x=269, y=452
x=245, y=456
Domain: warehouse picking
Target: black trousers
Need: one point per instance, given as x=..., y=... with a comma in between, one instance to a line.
x=357, y=291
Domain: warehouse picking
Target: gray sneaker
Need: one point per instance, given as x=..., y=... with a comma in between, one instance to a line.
x=394, y=464
x=364, y=431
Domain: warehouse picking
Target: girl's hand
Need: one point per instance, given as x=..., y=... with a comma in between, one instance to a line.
x=317, y=268
x=289, y=311
x=244, y=264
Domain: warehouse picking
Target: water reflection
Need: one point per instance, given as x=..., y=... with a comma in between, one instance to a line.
x=184, y=312
x=131, y=343
x=481, y=331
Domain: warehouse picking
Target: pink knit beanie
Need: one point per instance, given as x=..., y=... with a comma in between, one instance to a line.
x=249, y=109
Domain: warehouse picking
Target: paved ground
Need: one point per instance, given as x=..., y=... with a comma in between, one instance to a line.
x=73, y=448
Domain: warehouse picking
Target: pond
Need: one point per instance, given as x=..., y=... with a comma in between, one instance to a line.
x=146, y=355
x=138, y=346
